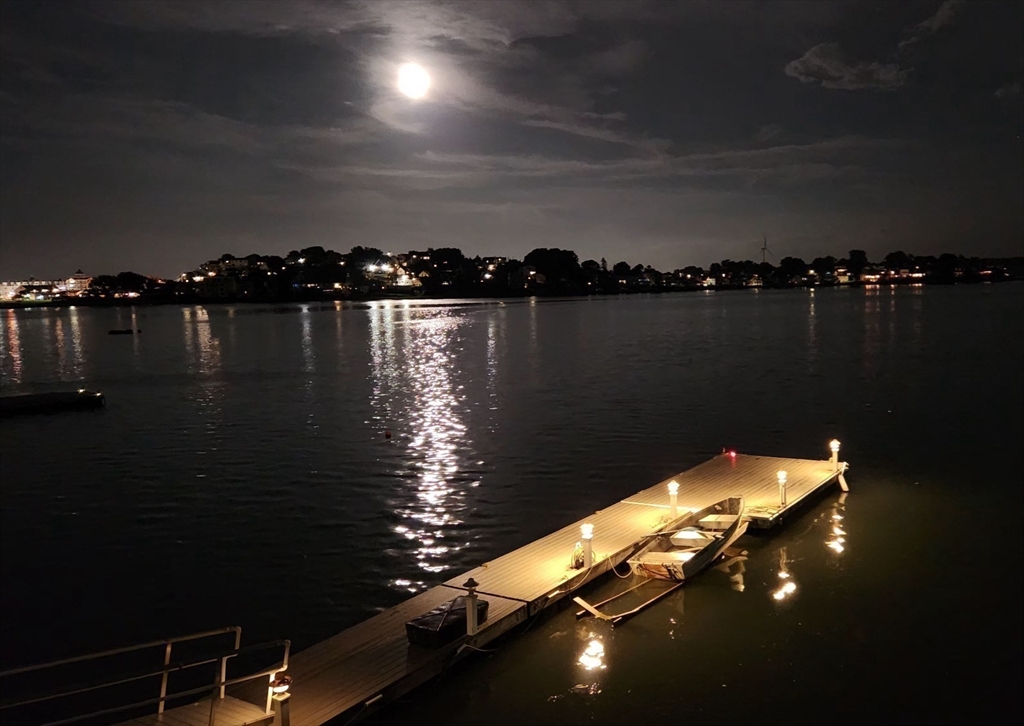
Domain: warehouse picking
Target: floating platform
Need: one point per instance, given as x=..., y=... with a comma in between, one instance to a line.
x=51, y=402
x=357, y=671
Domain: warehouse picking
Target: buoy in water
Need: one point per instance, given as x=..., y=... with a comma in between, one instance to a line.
x=387, y=433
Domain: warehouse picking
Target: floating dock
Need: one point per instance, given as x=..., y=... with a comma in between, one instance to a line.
x=361, y=669
x=51, y=402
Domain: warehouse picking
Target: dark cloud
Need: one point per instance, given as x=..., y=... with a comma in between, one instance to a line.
x=1009, y=90
x=827, y=64
x=156, y=134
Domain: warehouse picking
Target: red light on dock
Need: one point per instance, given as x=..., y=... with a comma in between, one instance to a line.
x=732, y=454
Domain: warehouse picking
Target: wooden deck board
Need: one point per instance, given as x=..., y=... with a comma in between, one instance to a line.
x=341, y=674
x=230, y=712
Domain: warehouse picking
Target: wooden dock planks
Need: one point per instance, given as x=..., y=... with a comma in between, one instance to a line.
x=363, y=667
x=230, y=712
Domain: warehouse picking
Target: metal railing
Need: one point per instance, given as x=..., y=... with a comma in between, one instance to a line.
x=220, y=684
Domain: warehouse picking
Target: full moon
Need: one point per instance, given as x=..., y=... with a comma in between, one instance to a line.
x=413, y=81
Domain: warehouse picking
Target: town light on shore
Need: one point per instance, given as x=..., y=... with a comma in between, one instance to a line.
x=673, y=498
x=587, y=531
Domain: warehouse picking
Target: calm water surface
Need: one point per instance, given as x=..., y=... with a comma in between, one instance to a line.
x=240, y=474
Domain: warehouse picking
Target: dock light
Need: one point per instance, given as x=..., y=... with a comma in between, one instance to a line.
x=280, y=683
x=472, y=626
x=673, y=498
x=587, y=531
x=833, y=445
x=782, y=487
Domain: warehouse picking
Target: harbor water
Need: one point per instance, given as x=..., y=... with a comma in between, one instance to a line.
x=294, y=469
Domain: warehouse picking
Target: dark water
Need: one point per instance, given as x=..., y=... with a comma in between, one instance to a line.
x=240, y=475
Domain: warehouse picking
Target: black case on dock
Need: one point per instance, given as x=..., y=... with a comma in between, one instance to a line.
x=444, y=623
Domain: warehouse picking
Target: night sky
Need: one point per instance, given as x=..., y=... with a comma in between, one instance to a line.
x=154, y=136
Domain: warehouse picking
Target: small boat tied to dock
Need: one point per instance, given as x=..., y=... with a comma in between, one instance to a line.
x=686, y=547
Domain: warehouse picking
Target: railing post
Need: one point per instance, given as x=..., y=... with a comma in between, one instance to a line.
x=214, y=701
x=163, y=679
x=270, y=692
x=223, y=674
x=283, y=708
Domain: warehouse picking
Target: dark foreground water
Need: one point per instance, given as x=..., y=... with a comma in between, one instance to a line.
x=240, y=475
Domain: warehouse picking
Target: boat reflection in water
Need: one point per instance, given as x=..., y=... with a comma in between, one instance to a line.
x=735, y=568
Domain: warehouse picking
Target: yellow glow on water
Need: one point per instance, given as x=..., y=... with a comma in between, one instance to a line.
x=785, y=591
x=592, y=657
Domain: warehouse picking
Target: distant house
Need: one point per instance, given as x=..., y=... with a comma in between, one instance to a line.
x=77, y=283
x=218, y=286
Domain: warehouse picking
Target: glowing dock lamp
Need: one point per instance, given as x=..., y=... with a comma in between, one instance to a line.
x=673, y=498
x=587, y=531
x=471, y=625
x=833, y=445
x=279, y=684
x=782, y=487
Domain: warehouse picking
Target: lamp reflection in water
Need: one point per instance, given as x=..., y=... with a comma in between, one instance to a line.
x=422, y=390
x=590, y=663
x=592, y=658
x=787, y=585
x=837, y=535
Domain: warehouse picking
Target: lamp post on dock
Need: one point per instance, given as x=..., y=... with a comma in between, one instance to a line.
x=782, y=487
x=471, y=624
x=587, y=532
x=833, y=445
x=278, y=694
x=673, y=498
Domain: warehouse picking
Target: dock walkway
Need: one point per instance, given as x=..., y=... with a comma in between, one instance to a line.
x=230, y=712
x=372, y=663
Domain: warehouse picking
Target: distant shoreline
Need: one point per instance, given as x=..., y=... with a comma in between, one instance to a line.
x=180, y=300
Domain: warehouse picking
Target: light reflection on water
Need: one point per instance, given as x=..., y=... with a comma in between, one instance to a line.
x=76, y=343
x=837, y=535
x=424, y=397
x=11, y=351
x=332, y=540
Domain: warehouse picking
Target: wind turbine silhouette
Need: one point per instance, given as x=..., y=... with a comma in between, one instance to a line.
x=764, y=248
